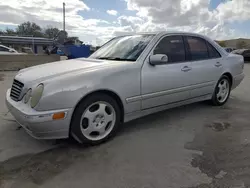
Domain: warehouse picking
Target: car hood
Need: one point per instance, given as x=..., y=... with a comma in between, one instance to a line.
x=51, y=70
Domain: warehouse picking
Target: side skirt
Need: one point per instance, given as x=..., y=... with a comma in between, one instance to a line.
x=134, y=115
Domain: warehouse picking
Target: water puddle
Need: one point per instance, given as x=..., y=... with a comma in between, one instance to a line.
x=219, y=126
x=223, y=157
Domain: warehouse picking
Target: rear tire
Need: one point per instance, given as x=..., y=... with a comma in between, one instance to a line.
x=95, y=120
x=222, y=91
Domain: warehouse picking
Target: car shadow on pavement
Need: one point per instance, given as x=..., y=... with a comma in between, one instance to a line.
x=39, y=168
x=155, y=120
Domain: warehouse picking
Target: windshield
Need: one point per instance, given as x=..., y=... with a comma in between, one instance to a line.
x=123, y=48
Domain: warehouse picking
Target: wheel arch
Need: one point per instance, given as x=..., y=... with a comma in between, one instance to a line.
x=229, y=75
x=113, y=94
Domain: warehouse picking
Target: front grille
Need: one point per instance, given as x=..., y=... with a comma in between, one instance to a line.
x=16, y=90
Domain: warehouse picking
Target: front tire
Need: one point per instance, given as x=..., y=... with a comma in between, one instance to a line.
x=95, y=120
x=222, y=91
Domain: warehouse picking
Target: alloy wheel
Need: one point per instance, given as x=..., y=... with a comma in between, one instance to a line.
x=223, y=90
x=98, y=120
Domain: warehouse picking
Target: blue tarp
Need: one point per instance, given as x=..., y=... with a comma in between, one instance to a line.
x=74, y=51
x=77, y=51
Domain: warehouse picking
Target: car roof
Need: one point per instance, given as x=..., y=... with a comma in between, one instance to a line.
x=3, y=46
x=6, y=47
x=161, y=33
x=170, y=32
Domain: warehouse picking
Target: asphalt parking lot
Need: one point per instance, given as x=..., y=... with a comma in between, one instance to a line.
x=194, y=146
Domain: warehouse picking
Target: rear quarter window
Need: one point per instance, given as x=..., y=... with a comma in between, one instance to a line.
x=212, y=52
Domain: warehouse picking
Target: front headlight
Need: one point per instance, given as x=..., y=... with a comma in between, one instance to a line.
x=27, y=96
x=36, y=95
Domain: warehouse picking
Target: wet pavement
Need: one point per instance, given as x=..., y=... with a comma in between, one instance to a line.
x=194, y=146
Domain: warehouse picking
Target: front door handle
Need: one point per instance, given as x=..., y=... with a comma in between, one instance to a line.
x=218, y=64
x=186, y=69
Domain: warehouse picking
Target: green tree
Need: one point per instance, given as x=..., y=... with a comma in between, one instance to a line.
x=241, y=44
x=29, y=29
x=10, y=32
x=51, y=32
x=72, y=38
x=32, y=29
x=61, y=36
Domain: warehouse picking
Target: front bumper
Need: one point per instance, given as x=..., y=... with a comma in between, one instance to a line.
x=39, y=124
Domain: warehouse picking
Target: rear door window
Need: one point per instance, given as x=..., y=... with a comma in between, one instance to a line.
x=197, y=48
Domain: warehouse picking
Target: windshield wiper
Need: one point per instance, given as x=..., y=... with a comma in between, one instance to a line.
x=116, y=58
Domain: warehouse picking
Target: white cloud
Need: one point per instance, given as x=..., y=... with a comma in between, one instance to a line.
x=45, y=12
x=235, y=10
x=191, y=15
x=133, y=22
x=151, y=15
x=112, y=12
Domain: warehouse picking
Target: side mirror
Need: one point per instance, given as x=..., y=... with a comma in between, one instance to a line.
x=158, y=59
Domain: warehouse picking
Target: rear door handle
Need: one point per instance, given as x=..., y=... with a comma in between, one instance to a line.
x=186, y=69
x=218, y=64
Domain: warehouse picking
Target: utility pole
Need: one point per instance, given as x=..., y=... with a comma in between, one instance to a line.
x=33, y=44
x=63, y=16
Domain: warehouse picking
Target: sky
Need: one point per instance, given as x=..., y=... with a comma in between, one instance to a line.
x=96, y=21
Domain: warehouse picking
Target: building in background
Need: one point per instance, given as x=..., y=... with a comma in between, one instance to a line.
x=240, y=43
x=26, y=44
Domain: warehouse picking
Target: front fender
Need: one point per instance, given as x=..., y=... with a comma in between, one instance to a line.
x=66, y=91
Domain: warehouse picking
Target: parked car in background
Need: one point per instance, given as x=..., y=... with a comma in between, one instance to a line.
x=129, y=77
x=244, y=52
x=6, y=50
x=229, y=50
x=27, y=50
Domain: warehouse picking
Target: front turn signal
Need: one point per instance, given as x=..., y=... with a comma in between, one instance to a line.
x=59, y=115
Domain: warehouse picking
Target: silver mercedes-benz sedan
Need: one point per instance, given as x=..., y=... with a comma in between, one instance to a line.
x=128, y=77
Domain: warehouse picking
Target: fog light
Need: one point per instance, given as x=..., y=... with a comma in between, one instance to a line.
x=59, y=115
